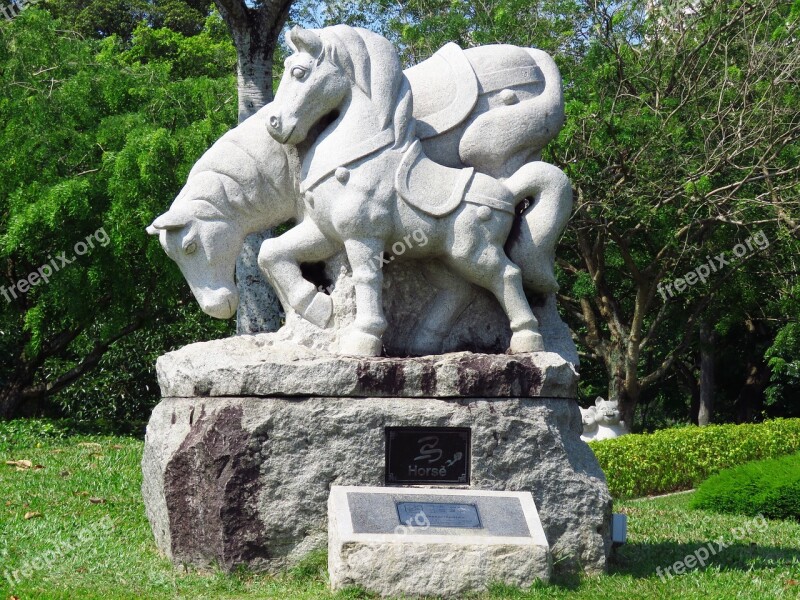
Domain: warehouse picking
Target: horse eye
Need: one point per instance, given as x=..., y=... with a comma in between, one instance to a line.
x=190, y=248
x=298, y=72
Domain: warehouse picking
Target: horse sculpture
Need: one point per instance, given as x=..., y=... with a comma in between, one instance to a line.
x=368, y=187
x=243, y=184
x=247, y=182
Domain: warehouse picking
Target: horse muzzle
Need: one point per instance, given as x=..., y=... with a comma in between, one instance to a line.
x=278, y=130
x=220, y=303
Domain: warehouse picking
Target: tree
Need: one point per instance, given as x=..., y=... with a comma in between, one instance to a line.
x=681, y=142
x=98, y=137
x=255, y=30
x=104, y=18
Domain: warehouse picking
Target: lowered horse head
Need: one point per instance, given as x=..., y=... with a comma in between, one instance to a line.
x=245, y=183
x=204, y=241
x=330, y=69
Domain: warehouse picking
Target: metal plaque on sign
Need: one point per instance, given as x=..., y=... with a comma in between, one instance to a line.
x=439, y=514
x=428, y=455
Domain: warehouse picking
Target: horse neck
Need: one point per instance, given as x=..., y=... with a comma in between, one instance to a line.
x=358, y=120
x=273, y=198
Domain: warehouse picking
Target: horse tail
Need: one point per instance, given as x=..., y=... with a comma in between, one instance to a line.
x=503, y=138
x=532, y=242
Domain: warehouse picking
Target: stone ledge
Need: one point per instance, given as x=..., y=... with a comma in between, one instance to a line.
x=260, y=365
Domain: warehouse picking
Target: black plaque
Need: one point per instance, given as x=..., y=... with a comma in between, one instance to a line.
x=439, y=514
x=428, y=455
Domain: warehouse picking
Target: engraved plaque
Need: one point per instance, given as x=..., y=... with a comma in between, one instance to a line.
x=428, y=455
x=439, y=514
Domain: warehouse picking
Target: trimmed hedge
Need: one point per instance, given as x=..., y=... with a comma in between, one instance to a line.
x=681, y=458
x=766, y=487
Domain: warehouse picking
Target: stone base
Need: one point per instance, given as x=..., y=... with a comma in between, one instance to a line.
x=245, y=480
x=371, y=547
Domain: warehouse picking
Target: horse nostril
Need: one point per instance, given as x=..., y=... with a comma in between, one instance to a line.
x=275, y=122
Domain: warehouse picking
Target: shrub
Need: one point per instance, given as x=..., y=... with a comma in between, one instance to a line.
x=767, y=487
x=26, y=433
x=679, y=459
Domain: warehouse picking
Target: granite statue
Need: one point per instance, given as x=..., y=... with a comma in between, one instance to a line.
x=589, y=423
x=603, y=421
x=459, y=99
x=368, y=186
x=424, y=230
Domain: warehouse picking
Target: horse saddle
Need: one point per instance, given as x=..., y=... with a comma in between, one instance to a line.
x=437, y=190
x=447, y=85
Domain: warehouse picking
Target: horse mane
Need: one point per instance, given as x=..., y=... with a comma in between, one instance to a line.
x=372, y=64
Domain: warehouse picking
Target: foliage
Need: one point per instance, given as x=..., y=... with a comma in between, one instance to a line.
x=119, y=395
x=122, y=562
x=680, y=458
x=783, y=358
x=681, y=141
x=766, y=487
x=26, y=433
x=98, y=136
x=104, y=18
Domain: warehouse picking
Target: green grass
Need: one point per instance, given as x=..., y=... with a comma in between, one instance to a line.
x=121, y=561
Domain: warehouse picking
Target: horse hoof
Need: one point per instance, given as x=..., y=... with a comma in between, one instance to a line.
x=358, y=343
x=526, y=341
x=320, y=310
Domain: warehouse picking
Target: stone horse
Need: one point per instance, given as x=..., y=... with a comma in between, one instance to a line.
x=368, y=187
x=246, y=182
x=243, y=184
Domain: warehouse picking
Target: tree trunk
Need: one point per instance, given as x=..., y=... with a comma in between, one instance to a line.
x=255, y=34
x=255, y=41
x=623, y=386
x=751, y=396
x=757, y=374
x=707, y=386
x=10, y=401
x=685, y=373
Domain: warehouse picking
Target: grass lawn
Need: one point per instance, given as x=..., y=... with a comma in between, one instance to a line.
x=72, y=525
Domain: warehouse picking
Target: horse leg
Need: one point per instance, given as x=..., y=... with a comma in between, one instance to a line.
x=280, y=260
x=452, y=298
x=363, y=337
x=488, y=266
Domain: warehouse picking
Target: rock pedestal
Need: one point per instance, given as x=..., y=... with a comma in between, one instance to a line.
x=452, y=544
x=241, y=453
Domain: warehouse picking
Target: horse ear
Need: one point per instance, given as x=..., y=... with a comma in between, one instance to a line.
x=598, y=400
x=169, y=221
x=304, y=40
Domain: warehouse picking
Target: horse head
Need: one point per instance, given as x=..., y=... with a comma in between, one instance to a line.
x=204, y=242
x=327, y=68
